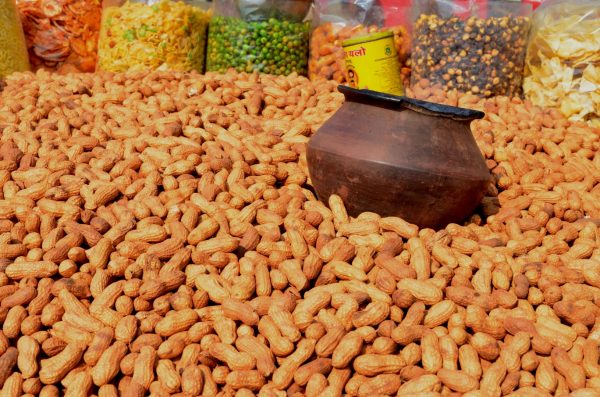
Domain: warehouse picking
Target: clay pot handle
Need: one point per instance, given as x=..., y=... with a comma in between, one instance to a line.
x=395, y=102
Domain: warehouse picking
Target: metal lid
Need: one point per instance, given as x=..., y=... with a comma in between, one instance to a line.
x=366, y=39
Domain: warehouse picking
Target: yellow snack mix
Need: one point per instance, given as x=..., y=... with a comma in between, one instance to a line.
x=13, y=51
x=166, y=35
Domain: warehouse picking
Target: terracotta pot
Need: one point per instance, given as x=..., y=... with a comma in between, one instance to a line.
x=399, y=157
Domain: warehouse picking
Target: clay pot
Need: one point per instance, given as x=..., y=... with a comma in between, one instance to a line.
x=398, y=156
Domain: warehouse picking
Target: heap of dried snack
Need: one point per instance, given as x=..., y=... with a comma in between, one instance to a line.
x=149, y=35
x=327, y=58
x=61, y=34
x=13, y=52
x=159, y=236
x=480, y=56
x=563, y=60
x=272, y=46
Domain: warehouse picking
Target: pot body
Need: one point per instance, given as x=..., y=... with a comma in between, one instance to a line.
x=397, y=159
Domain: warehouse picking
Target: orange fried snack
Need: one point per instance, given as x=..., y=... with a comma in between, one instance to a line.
x=61, y=35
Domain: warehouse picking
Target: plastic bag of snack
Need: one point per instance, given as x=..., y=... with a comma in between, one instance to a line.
x=153, y=35
x=335, y=21
x=563, y=59
x=61, y=34
x=266, y=36
x=470, y=46
x=13, y=52
x=535, y=3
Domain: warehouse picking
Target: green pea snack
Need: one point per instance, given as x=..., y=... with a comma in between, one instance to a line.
x=269, y=37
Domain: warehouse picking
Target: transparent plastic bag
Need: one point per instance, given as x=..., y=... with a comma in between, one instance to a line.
x=61, y=34
x=13, y=52
x=337, y=20
x=470, y=46
x=153, y=35
x=266, y=36
x=563, y=59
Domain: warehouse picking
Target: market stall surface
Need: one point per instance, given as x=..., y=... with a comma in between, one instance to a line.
x=159, y=235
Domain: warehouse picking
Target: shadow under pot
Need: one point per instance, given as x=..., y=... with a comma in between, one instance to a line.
x=398, y=156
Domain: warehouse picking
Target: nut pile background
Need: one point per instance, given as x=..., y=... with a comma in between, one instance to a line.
x=159, y=237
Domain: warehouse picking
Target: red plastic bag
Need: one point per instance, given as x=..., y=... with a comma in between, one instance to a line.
x=534, y=3
x=392, y=17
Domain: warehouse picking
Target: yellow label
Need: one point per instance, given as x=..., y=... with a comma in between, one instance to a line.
x=374, y=65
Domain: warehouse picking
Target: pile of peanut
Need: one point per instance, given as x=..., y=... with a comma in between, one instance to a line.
x=158, y=236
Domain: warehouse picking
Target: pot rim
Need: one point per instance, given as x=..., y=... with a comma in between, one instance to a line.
x=374, y=98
